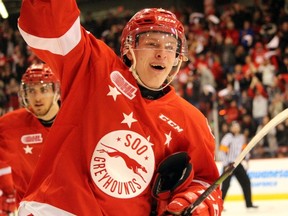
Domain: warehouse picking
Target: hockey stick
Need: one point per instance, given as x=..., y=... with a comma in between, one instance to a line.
x=271, y=124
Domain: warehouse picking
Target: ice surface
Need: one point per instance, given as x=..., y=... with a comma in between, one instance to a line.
x=266, y=208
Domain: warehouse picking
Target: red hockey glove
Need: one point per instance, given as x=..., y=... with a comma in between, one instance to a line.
x=211, y=206
x=173, y=173
x=9, y=203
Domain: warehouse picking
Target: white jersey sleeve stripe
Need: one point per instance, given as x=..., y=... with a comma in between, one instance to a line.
x=40, y=209
x=61, y=45
x=5, y=171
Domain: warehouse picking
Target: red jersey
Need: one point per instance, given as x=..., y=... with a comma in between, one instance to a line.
x=107, y=140
x=6, y=182
x=21, y=140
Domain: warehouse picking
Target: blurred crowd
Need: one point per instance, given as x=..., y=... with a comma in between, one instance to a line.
x=238, y=64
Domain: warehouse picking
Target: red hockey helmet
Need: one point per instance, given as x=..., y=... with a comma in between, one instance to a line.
x=39, y=73
x=156, y=20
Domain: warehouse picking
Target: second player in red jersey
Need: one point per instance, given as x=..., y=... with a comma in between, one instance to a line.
x=23, y=131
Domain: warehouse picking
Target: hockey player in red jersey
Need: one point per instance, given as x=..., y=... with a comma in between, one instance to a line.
x=7, y=191
x=119, y=120
x=23, y=131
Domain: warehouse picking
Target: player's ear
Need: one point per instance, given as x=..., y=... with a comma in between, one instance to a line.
x=129, y=55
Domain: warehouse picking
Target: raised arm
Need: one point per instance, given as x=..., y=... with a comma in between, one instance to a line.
x=51, y=28
x=53, y=31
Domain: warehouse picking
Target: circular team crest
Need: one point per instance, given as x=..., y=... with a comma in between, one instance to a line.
x=122, y=164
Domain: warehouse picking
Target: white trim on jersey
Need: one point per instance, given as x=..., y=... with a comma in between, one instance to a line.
x=40, y=209
x=5, y=171
x=59, y=46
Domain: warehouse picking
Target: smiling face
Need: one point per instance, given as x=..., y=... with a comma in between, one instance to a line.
x=155, y=55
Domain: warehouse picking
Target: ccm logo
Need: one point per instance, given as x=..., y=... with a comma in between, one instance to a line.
x=171, y=123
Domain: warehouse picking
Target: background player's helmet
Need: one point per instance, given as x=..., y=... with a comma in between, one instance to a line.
x=38, y=74
x=156, y=20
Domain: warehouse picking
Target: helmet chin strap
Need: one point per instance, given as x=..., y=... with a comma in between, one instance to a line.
x=137, y=77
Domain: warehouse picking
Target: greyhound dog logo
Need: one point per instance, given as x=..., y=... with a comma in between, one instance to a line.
x=122, y=164
x=130, y=163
